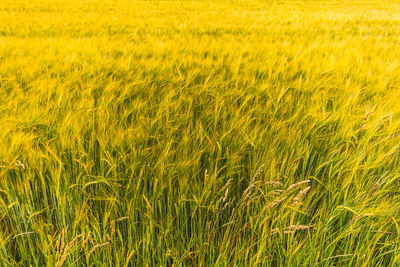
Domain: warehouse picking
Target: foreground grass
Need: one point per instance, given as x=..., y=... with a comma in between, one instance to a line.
x=199, y=133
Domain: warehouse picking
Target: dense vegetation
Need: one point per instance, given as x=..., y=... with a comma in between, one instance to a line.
x=199, y=133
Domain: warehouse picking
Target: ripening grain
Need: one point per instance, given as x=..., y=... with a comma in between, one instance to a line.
x=199, y=133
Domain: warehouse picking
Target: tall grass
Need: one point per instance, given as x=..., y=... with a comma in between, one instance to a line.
x=199, y=133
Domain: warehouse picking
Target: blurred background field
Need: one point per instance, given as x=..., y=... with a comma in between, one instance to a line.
x=199, y=133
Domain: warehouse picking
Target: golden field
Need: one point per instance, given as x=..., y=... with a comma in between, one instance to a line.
x=199, y=133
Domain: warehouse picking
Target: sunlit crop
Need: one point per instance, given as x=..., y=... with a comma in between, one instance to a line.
x=199, y=133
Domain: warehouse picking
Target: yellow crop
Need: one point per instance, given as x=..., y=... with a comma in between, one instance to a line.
x=199, y=133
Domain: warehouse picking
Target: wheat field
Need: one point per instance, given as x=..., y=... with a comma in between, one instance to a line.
x=199, y=133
